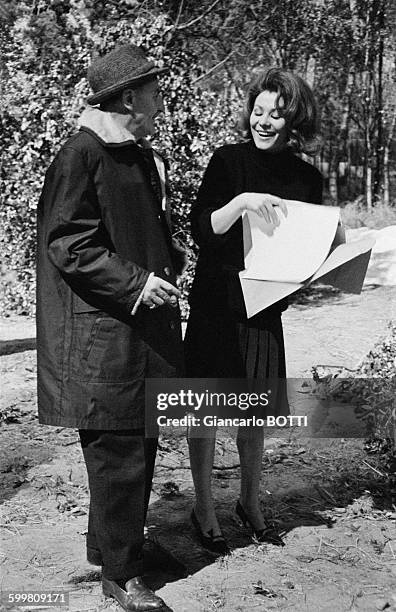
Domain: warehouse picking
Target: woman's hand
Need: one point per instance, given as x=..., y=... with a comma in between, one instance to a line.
x=264, y=205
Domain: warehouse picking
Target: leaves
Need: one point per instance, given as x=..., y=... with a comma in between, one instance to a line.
x=371, y=387
x=45, y=50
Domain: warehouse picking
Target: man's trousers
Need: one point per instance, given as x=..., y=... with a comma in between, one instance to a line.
x=120, y=467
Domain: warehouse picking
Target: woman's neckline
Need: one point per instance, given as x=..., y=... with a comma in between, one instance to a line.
x=285, y=153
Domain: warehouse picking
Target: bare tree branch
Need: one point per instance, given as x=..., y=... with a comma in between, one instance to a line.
x=193, y=21
x=179, y=12
x=175, y=25
x=203, y=76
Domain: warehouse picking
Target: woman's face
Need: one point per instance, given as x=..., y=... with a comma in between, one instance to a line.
x=268, y=127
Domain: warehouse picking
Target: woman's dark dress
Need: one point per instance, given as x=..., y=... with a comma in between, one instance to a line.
x=220, y=341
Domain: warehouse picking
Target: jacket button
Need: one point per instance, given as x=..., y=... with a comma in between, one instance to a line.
x=167, y=271
x=172, y=324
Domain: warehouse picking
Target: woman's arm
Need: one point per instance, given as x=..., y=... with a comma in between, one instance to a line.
x=217, y=209
x=215, y=191
x=263, y=204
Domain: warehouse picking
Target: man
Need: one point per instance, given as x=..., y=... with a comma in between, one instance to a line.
x=107, y=314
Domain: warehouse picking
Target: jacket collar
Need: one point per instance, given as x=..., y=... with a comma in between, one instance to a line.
x=111, y=129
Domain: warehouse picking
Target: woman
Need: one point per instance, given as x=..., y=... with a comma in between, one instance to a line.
x=280, y=120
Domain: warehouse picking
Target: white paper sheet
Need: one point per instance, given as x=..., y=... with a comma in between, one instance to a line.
x=293, y=251
x=342, y=254
x=261, y=294
x=266, y=278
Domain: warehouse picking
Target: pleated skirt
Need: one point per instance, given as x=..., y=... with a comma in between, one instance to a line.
x=223, y=347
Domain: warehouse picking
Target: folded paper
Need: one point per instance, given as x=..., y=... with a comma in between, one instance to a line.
x=280, y=260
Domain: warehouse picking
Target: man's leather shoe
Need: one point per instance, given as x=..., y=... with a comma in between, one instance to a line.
x=136, y=597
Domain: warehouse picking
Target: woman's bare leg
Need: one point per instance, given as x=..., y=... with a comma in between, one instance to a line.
x=201, y=460
x=250, y=443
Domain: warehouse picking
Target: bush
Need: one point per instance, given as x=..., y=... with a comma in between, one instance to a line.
x=371, y=387
x=45, y=48
x=45, y=58
x=355, y=214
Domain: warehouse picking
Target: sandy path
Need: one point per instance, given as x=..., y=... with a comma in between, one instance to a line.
x=340, y=331
x=349, y=567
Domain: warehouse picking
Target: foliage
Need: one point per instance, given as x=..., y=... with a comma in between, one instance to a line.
x=346, y=51
x=212, y=47
x=40, y=108
x=371, y=387
x=355, y=214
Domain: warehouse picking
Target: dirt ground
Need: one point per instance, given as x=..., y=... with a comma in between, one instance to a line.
x=330, y=496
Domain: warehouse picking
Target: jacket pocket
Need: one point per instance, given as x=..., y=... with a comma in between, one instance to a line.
x=104, y=349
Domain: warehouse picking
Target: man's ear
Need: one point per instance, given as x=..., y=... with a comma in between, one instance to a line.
x=128, y=100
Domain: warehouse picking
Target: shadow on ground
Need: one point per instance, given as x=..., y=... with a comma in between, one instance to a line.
x=18, y=345
x=321, y=295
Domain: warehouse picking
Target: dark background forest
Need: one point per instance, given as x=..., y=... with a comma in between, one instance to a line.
x=345, y=49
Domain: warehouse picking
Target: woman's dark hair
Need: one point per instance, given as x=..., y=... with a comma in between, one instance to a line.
x=299, y=107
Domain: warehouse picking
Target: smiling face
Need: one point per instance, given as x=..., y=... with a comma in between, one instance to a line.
x=267, y=126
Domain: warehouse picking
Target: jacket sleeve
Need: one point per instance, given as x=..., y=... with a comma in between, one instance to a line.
x=78, y=242
x=214, y=192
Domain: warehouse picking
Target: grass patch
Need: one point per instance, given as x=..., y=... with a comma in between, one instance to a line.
x=355, y=214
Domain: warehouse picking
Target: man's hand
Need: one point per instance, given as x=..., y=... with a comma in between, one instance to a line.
x=263, y=204
x=158, y=292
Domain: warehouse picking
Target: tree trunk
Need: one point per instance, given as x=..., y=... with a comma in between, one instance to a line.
x=368, y=170
x=338, y=150
x=378, y=179
x=333, y=185
x=333, y=175
x=368, y=103
x=386, y=176
x=349, y=174
x=369, y=186
x=387, y=148
x=343, y=149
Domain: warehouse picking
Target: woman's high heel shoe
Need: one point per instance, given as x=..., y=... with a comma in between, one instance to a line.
x=267, y=534
x=216, y=544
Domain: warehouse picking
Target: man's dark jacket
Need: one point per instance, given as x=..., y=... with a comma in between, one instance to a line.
x=101, y=231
